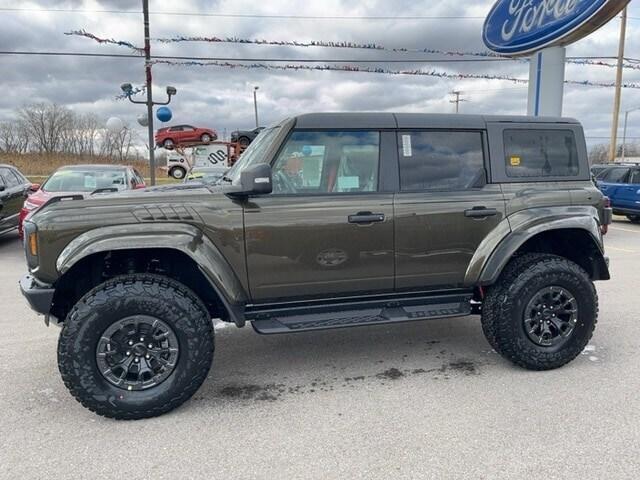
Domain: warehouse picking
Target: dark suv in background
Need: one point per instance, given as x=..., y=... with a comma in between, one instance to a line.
x=245, y=137
x=14, y=188
x=326, y=221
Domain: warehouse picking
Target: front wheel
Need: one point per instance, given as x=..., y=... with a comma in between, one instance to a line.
x=541, y=313
x=136, y=346
x=634, y=218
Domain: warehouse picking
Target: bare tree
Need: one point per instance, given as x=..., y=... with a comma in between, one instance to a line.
x=46, y=124
x=12, y=138
x=118, y=146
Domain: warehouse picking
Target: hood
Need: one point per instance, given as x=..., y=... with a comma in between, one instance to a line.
x=40, y=197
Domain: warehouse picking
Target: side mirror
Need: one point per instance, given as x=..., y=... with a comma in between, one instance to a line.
x=255, y=180
x=34, y=187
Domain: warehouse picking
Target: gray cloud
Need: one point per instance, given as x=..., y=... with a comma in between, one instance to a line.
x=222, y=98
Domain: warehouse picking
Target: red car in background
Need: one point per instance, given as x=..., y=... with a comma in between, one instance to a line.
x=81, y=180
x=169, y=137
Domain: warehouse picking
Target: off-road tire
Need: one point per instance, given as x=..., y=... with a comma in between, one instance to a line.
x=634, y=218
x=505, y=302
x=138, y=294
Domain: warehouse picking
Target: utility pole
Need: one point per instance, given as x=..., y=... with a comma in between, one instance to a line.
x=616, y=102
x=147, y=67
x=255, y=104
x=457, y=100
x=127, y=88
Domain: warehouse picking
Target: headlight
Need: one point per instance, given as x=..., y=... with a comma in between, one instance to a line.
x=31, y=243
x=30, y=205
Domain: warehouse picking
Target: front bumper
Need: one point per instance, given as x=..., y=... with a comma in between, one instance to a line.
x=38, y=294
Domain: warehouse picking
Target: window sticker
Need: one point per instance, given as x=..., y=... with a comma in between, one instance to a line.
x=90, y=181
x=406, y=146
x=347, y=183
x=515, y=161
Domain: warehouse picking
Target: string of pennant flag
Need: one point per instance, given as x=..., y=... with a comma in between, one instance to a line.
x=355, y=68
x=342, y=68
x=330, y=44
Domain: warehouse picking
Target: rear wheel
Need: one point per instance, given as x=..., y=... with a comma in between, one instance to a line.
x=168, y=144
x=178, y=173
x=205, y=138
x=136, y=346
x=541, y=313
x=634, y=218
x=244, y=141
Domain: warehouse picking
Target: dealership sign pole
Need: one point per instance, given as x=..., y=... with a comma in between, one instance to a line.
x=541, y=29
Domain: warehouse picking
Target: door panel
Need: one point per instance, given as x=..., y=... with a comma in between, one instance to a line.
x=12, y=199
x=436, y=239
x=629, y=193
x=305, y=246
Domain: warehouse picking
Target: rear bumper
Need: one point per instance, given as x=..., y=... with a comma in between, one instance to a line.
x=39, y=295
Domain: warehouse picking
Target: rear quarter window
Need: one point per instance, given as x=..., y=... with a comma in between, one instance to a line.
x=540, y=153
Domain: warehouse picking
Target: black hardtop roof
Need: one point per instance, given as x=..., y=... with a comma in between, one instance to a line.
x=366, y=120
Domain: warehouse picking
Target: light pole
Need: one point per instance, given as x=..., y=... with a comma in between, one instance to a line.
x=624, y=134
x=127, y=88
x=255, y=104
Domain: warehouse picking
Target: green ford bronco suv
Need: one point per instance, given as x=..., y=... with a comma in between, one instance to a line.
x=326, y=221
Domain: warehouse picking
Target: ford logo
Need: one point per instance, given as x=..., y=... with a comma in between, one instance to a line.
x=519, y=27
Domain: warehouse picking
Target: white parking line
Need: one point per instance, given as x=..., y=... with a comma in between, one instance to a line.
x=624, y=229
x=609, y=247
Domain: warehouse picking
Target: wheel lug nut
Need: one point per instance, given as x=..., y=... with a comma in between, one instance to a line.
x=150, y=346
x=147, y=356
x=128, y=353
x=142, y=339
x=130, y=342
x=137, y=360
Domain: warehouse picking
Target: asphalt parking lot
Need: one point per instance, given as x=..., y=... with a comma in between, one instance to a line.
x=420, y=400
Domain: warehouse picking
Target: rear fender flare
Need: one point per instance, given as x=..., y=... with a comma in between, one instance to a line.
x=503, y=243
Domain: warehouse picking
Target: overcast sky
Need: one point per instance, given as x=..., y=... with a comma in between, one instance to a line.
x=222, y=98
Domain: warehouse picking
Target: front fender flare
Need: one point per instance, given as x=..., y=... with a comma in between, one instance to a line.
x=185, y=238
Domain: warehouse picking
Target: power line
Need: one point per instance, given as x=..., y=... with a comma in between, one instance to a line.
x=247, y=15
x=246, y=59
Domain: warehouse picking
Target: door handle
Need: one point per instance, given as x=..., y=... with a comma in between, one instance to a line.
x=366, y=217
x=480, y=212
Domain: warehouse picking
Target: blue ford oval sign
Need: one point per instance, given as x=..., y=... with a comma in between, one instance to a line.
x=519, y=27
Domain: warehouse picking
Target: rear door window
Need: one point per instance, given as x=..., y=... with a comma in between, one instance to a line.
x=437, y=161
x=634, y=179
x=10, y=180
x=540, y=153
x=615, y=175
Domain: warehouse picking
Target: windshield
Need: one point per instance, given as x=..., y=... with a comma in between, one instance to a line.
x=254, y=155
x=84, y=180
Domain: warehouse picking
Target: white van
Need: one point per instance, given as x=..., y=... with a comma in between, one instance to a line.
x=180, y=162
